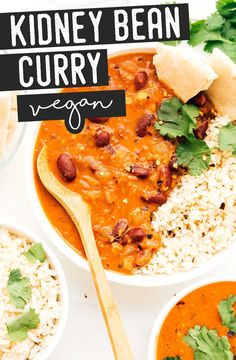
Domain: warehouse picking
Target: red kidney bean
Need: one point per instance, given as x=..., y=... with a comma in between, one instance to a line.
x=140, y=171
x=199, y=100
x=102, y=138
x=120, y=228
x=165, y=177
x=140, y=80
x=136, y=234
x=143, y=123
x=66, y=167
x=201, y=130
x=101, y=120
x=153, y=197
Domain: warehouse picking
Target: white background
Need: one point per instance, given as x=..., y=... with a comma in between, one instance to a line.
x=85, y=336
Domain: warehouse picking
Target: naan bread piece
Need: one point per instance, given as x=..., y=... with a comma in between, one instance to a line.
x=222, y=92
x=183, y=70
x=5, y=105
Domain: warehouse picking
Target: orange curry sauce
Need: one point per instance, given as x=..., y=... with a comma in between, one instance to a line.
x=104, y=174
x=197, y=308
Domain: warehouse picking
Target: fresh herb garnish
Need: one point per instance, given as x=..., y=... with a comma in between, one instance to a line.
x=207, y=345
x=19, y=289
x=178, y=120
x=218, y=30
x=227, y=9
x=227, y=314
x=18, y=328
x=36, y=252
x=193, y=154
x=227, y=138
x=172, y=358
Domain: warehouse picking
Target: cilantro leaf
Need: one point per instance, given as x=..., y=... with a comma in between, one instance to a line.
x=172, y=358
x=36, y=252
x=172, y=42
x=193, y=154
x=227, y=314
x=226, y=8
x=190, y=112
x=218, y=30
x=228, y=49
x=19, y=289
x=207, y=345
x=18, y=328
x=214, y=22
x=200, y=33
x=176, y=119
x=227, y=138
x=229, y=31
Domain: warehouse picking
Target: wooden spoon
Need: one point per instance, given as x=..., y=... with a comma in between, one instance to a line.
x=80, y=214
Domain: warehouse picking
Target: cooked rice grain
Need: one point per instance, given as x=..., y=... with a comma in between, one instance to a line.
x=199, y=218
x=45, y=298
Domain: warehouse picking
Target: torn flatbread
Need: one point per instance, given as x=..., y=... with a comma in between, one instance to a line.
x=183, y=70
x=222, y=92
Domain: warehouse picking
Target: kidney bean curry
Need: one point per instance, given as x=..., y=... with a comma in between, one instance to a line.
x=201, y=325
x=121, y=166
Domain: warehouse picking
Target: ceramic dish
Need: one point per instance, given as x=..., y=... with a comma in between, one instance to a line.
x=56, y=266
x=131, y=280
x=152, y=349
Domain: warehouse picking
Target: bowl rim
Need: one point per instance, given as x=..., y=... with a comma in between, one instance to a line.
x=53, y=260
x=14, y=145
x=152, y=346
x=139, y=280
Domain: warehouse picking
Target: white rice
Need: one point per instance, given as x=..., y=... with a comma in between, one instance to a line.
x=192, y=225
x=45, y=298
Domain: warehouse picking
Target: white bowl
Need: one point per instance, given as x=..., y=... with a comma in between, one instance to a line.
x=52, y=234
x=47, y=351
x=152, y=348
x=13, y=145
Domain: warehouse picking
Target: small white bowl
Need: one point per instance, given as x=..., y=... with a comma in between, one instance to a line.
x=13, y=145
x=47, y=351
x=130, y=280
x=152, y=348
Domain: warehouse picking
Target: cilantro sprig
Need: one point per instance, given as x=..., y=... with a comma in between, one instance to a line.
x=218, y=30
x=227, y=313
x=227, y=8
x=207, y=345
x=36, y=252
x=172, y=358
x=178, y=120
x=194, y=154
x=19, y=289
x=18, y=328
x=227, y=138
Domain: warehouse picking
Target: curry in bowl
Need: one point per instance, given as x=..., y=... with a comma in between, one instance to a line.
x=201, y=325
x=132, y=169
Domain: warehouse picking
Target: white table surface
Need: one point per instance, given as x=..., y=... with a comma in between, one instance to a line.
x=85, y=336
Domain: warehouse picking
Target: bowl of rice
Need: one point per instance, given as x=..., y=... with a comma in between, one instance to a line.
x=33, y=296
